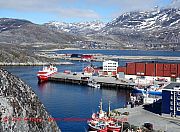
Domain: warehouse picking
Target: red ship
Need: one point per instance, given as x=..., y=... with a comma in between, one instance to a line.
x=102, y=122
x=46, y=72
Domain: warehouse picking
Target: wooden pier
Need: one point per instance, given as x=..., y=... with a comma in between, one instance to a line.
x=80, y=78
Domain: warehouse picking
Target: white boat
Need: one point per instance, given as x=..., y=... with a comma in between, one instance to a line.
x=152, y=90
x=93, y=84
x=46, y=72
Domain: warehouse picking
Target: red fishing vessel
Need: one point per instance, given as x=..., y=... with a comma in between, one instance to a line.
x=46, y=72
x=114, y=127
x=102, y=122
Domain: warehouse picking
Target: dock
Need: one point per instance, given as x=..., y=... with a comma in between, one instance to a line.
x=80, y=78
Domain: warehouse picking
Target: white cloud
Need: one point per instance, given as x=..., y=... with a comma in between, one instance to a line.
x=125, y=4
x=175, y=3
x=79, y=8
x=48, y=6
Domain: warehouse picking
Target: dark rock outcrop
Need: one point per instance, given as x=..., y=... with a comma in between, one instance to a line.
x=16, y=31
x=20, y=108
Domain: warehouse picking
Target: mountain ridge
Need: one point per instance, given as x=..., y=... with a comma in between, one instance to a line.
x=153, y=29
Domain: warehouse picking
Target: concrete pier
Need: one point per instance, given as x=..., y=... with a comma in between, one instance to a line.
x=80, y=78
x=138, y=116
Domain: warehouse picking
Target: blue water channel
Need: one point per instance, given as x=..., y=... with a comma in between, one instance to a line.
x=68, y=101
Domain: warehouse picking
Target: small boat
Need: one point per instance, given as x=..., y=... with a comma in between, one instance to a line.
x=152, y=90
x=46, y=72
x=93, y=84
x=97, y=126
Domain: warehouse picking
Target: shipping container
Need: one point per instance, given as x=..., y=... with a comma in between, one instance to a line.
x=173, y=75
x=121, y=69
x=140, y=69
x=174, y=68
x=131, y=69
x=159, y=73
x=113, y=73
x=167, y=67
x=167, y=73
x=150, y=69
x=159, y=67
x=178, y=70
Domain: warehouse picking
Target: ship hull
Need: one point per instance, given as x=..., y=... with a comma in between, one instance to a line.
x=98, y=130
x=42, y=78
x=113, y=129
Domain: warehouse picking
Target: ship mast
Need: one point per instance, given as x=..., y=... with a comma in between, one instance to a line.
x=109, y=109
x=100, y=107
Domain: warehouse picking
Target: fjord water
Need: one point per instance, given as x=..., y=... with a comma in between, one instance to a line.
x=65, y=101
x=69, y=102
x=123, y=52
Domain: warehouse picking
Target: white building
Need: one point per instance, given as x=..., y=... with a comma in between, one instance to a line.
x=110, y=68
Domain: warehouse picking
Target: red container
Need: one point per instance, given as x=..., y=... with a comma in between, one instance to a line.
x=173, y=75
x=167, y=67
x=178, y=70
x=113, y=73
x=121, y=69
x=167, y=73
x=159, y=67
x=140, y=68
x=150, y=69
x=174, y=68
x=131, y=69
x=159, y=73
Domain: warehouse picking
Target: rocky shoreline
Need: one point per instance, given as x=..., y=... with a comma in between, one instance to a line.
x=20, y=108
x=34, y=64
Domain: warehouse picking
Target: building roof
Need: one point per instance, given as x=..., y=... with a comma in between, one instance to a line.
x=172, y=87
x=111, y=61
x=158, y=61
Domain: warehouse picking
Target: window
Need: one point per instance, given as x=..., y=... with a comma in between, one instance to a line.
x=178, y=98
x=171, y=103
x=178, y=108
x=178, y=103
x=171, y=107
x=171, y=97
x=178, y=93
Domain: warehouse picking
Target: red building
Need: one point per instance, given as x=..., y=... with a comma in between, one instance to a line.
x=88, y=70
x=87, y=57
x=155, y=69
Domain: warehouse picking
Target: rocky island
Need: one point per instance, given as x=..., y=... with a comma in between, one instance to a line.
x=20, y=108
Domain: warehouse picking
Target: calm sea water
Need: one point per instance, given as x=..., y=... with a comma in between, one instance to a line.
x=75, y=101
x=70, y=101
x=123, y=52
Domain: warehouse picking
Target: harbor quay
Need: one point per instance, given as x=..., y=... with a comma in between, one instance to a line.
x=80, y=78
x=139, y=115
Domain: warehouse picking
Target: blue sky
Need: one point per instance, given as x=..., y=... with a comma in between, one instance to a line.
x=42, y=11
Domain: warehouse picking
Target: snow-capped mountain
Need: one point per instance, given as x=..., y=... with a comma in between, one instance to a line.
x=154, y=27
x=150, y=20
x=77, y=28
